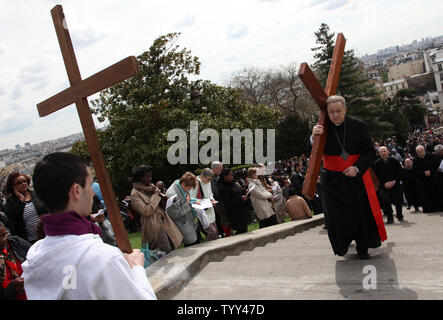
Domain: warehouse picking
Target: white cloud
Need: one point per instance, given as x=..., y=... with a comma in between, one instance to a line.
x=226, y=36
x=12, y=122
x=237, y=31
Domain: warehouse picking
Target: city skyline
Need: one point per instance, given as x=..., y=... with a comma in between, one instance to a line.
x=226, y=36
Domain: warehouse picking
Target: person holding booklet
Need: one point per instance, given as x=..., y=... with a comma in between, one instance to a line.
x=261, y=200
x=180, y=210
x=158, y=229
x=203, y=192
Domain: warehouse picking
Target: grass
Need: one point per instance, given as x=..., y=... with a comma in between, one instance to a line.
x=136, y=239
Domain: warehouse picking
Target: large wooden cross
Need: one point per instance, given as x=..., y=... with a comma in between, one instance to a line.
x=78, y=93
x=309, y=80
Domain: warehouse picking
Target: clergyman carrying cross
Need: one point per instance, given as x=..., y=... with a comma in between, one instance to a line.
x=346, y=188
x=350, y=204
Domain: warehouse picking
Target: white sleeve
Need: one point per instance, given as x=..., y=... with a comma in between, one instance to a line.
x=119, y=282
x=311, y=140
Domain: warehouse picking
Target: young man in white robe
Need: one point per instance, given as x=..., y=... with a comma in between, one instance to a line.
x=72, y=262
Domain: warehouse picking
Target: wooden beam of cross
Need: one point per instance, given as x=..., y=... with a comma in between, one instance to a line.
x=309, y=80
x=78, y=93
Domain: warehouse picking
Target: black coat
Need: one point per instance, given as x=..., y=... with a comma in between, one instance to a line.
x=409, y=181
x=297, y=181
x=389, y=170
x=14, y=211
x=428, y=185
x=236, y=210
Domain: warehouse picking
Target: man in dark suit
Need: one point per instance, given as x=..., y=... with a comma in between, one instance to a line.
x=388, y=172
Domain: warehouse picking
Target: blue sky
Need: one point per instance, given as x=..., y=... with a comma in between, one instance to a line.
x=226, y=36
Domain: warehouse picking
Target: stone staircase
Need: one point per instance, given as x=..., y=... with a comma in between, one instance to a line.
x=302, y=266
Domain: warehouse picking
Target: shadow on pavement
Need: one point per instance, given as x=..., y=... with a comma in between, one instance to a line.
x=372, y=279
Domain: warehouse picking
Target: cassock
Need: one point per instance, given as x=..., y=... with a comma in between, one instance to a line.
x=429, y=189
x=351, y=211
x=389, y=170
x=410, y=188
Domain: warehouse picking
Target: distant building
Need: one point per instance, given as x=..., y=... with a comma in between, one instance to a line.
x=436, y=59
x=391, y=88
x=406, y=69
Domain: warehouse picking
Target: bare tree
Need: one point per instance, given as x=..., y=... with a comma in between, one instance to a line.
x=280, y=88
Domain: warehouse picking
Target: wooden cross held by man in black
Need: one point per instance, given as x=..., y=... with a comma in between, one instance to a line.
x=308, y=78
x=78, y=93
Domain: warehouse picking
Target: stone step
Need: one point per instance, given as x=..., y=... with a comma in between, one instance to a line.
x=350, y=266
x=309, y=279
x=303, y=266
x=249, y=290
x=307, y=255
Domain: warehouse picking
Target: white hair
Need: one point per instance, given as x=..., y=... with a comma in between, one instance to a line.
x=336, y=98
x=216, y=164
x=438, y=147
x=207, y=173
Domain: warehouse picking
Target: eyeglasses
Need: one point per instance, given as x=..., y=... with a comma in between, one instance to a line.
x=21, y=182
x=333, y=112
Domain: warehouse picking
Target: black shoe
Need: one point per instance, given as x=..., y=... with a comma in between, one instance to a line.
x=364, y=256
x=390, y=221
x=400, y=219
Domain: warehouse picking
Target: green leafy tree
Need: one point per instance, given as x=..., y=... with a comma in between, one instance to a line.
x=142, y=110
x=409, y=105
x=362, y=97
x=292, y=136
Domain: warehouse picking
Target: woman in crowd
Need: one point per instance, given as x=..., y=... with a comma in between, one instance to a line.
x=13, y=251
x=23, y=208
x=204, y=191
x=261, y=200
x=234, y=202
x=158, y=230
x=181, y=211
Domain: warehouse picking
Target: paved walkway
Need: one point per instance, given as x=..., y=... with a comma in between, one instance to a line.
x=409, y=265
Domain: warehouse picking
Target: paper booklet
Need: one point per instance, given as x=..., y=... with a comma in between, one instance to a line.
x=202, y=204
x=252, y=188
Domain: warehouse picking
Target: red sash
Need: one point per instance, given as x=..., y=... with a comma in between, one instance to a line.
x=337, y=163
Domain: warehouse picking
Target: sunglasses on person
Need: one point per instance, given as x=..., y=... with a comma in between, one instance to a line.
x=21, y=182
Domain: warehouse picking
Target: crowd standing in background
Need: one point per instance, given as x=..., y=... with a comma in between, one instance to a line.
x=409, y=176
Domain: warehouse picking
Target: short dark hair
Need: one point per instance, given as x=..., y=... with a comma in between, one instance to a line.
x=53, y=177
x=223, y=174
x=139, y=172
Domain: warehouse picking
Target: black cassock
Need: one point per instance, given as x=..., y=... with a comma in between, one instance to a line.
x=428, y=185
x=347, y=210
x=410, y=187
